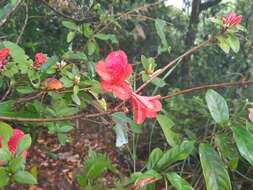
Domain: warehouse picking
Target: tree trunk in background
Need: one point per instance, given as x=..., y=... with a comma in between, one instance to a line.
x=196, y=8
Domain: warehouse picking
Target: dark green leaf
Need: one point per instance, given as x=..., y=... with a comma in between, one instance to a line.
x=178, y=152
x=178, y=182
x=244, y=142
x=166, y=124
x=215, y=173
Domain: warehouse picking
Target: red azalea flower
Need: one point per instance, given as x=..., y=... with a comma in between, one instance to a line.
x=114, y=71
x=145, y=107
x=231, y=20
x=251, y=114
x=40, y=59
x=4, y=53
x=14, y=141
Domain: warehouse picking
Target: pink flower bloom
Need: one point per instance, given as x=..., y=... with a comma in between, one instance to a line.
x=145, y=107
x=114, y=71
x=4, y=53
x=14, y=141
x=231, y=20
x=251, y=114
x=40, y=59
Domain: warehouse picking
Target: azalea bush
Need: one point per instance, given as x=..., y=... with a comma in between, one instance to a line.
x=90, y=82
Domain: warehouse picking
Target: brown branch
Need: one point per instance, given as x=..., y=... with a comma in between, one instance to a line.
x=10, y=13
x=85, y=116
x=66, y=118
x=206, y=87
x=170, y=64
x=6, y=93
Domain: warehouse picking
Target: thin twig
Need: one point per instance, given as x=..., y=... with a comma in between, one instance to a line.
x=205, y=87
x=6, y=93
x=85, y=115
x=24, y=25
x=66, y=118
x=9, y=14
x=170, y=64
x=64, y=15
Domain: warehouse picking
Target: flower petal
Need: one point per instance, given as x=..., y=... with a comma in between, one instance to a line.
x=15, y=139
x=121, y=90
x=102, y=71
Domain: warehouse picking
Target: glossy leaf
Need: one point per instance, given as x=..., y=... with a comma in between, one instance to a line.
x=217, y=106
x=244, y=142
x=227, y=149
x=24, y=177
x=166, y=124
x=178, y=182
x=215, y=174
x=178, y=152
x=154, y=157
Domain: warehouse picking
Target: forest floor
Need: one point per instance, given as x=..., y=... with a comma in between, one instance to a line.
x=59, y=165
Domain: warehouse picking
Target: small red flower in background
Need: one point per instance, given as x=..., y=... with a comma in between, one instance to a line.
x=251, y=114
x=4, y=53
x=114, y=71
x=145, y=107
x=14, y=141
x=52, y=84
x=231, y=20
x=40, y=59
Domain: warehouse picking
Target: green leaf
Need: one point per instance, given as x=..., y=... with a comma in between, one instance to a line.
x=4, y=177
x=87, y=30
x=6, y=131
x=71, y=35
x=227, y=150
x=159, y=82
x=160, y=25
x=17, y=53
x=223, y=44
x=94, y=165
x=215, y=173
x=6, y=108
x=50, y=62
x=24, y=144
x=70, y=25
x=178, y=152
x=17, y=164
x=5, y=155
x=65, y=129
x=75, y=56
x=178, y=182
x=217, y=106
x=24, y=89
x=154, y=157
x=92, y=47
x=244, y=142
x=121, y=118
x=24, y=177
x=166, y=124
x=234, y=42
x=107, y=37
